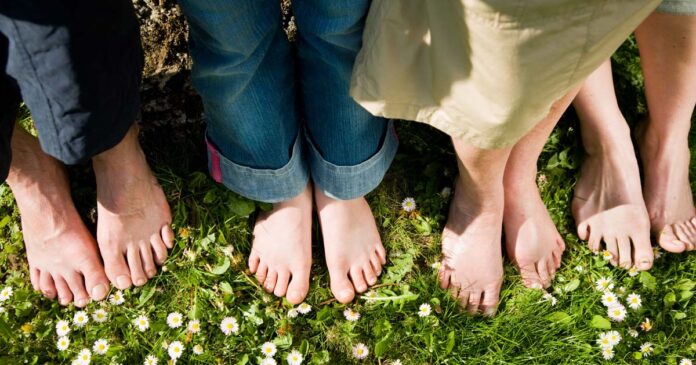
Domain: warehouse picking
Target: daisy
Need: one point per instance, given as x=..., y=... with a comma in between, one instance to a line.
x=579, y=268
x=604, y=284
x=360, y=351
x=194, y=326
x=351, y=315
x=292, y=313
x=633, y=301
x=150, y=360
x=228, y=250
x=646, y=349
x=5, y=293
x=657, y=252
x=633, y=271
x=633, y=333
x=62, y=328
x=229, y=325
x=100, y=346
x=268, y=349
x=614, y=338
x=100, y=316
x=617, y=313
x=685, y=362
x=80, y=319
x=608, y=353
x=396, y=362
x=294, y=358
x=175, y=350
x=198, y=349
x=408, y=204
x=606, y=255
x=304, y=308
x=63, y=343
x=268, y=361
x=549, y=297
x=609, y=299
x=117, y=298
x=603, y=340
x=424, y=310
x=84, y=356
x=369, y=296
x=174, y=320
x=141, y=323
x=646, y=325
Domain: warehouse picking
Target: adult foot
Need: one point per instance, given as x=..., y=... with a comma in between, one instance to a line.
x=608, y=205
x=62, y=254
x=666, y=190
x=353, y=247
x=134, y=221
x=532, y=241
x=472, y=265
x=281, y=254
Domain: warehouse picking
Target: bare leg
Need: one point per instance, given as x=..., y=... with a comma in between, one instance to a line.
x=62, y=254
x=133, y=228
x=608, y=205
x=668, y=55
x=532, y=240
x=281, y=255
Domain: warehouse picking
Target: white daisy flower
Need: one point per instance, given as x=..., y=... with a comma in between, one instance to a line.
x=646, y=349
x=617, y=313
x=633, y=271
x=268, y=361
x=268, y=349
x=604, y=284
x=62, y=328
x=84, y=356
x=606, y=255
x=608, y=353
x=292, y=313
x=174, y=320
x=150, y=360
x=686, y=362
x=175, y=350
x=80, y=319
x=603, y=340
x=294, y=358
x=351, y=315
x=228, y=250
x=100, y=316
x=396, y=362
x=229, y=325
x=194, y=326
x=549, y=297
x=370, y=295
x=141, y=323
x=117, y=298
x=198, y=349
x=657, y=252
x=579, y=268
x=100, y=346
x=633, y=333
x=614, y=338
x=424, y=310
x=5, y=293
x=63, y=343
x=609, y=299
x=445, y=192
x=2, y=309
x=634, y=301
x=304, y=308
x=408, y=204
x=646, y=325
x=360, y=351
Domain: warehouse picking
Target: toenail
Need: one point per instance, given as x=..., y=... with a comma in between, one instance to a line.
x=140, y=282
x=99, y=292
x=346, y=293
x=63, y=301
x=152, y=273
x=81, y=302
x=536, y=286
x=295, y=295
x=123, y=281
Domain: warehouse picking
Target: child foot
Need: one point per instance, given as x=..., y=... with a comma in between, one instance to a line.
x=531, y=239
x=134, y=222
x=608, y=207
x=62, y=255
x=281, y=254
x=667, y=192
x=472, y=265
x=353, y=248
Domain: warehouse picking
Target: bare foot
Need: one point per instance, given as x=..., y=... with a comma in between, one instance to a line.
x=281, y=255
x=531, y=239
x=353, y=247
x=133, y=227
x=472, y=265
x=62, y=255
x=608, y=205
x=667, y=191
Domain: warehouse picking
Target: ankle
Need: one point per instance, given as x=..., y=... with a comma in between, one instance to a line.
x=608, y=141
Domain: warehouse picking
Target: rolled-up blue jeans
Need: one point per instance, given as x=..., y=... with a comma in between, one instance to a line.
x=279, y=114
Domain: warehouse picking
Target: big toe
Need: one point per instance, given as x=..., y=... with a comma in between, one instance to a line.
x=530, y=276
x=116, y=269
x=96, y=281
x=298, y=287
x=489, y=302
x=341, y=287
x=669, y=241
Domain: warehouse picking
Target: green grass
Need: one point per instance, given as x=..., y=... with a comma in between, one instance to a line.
x=206, y=277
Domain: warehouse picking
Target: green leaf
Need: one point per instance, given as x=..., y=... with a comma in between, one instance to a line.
x=685, y=295
x=450, y=343
x=304, y=347
x=679, y=315
x=559, y=317
x=324, y=314
x=244, y=360
x=220, y=269
x=5, y=329
x=382, y=346
x=684, y=285
x=600, y=322
x=226, y=288
x=572, y=285
x=669, y=299
x=242, y=207
x=5, y=220
x=647, y=280
x=146, y=294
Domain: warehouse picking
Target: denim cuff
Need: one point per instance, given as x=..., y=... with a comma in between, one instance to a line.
x=350, y=182
x=265, y=185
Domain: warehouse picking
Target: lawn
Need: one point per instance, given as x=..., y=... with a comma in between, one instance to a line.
x=205, y=279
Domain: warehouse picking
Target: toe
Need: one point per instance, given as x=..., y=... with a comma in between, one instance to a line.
x=543, y=272
x=584, y=231
x=281, y=287
x=253, y=262
x=261, y=273
x=148, y=261
x=473, y=303
x=462, y=296
x=613, y=248
x=594, y=242
x=77, y=286
x=96, y=282
x=643, y=255
x=530, y=277
x=489, y=302
x=135, y=264
x=376, y=265
x=341, y=287
x=444, y=276
x=382, y=254
x=271, y=279
x=625, y=255
x=550, y=267
x=159, y=250
x=47, y=285
x=167, y=235
x=668, y=240
x=116, y=269
x=34, y=275
x=298, y=287
x=369, y=274
x=65, y=295
x=356, y=276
